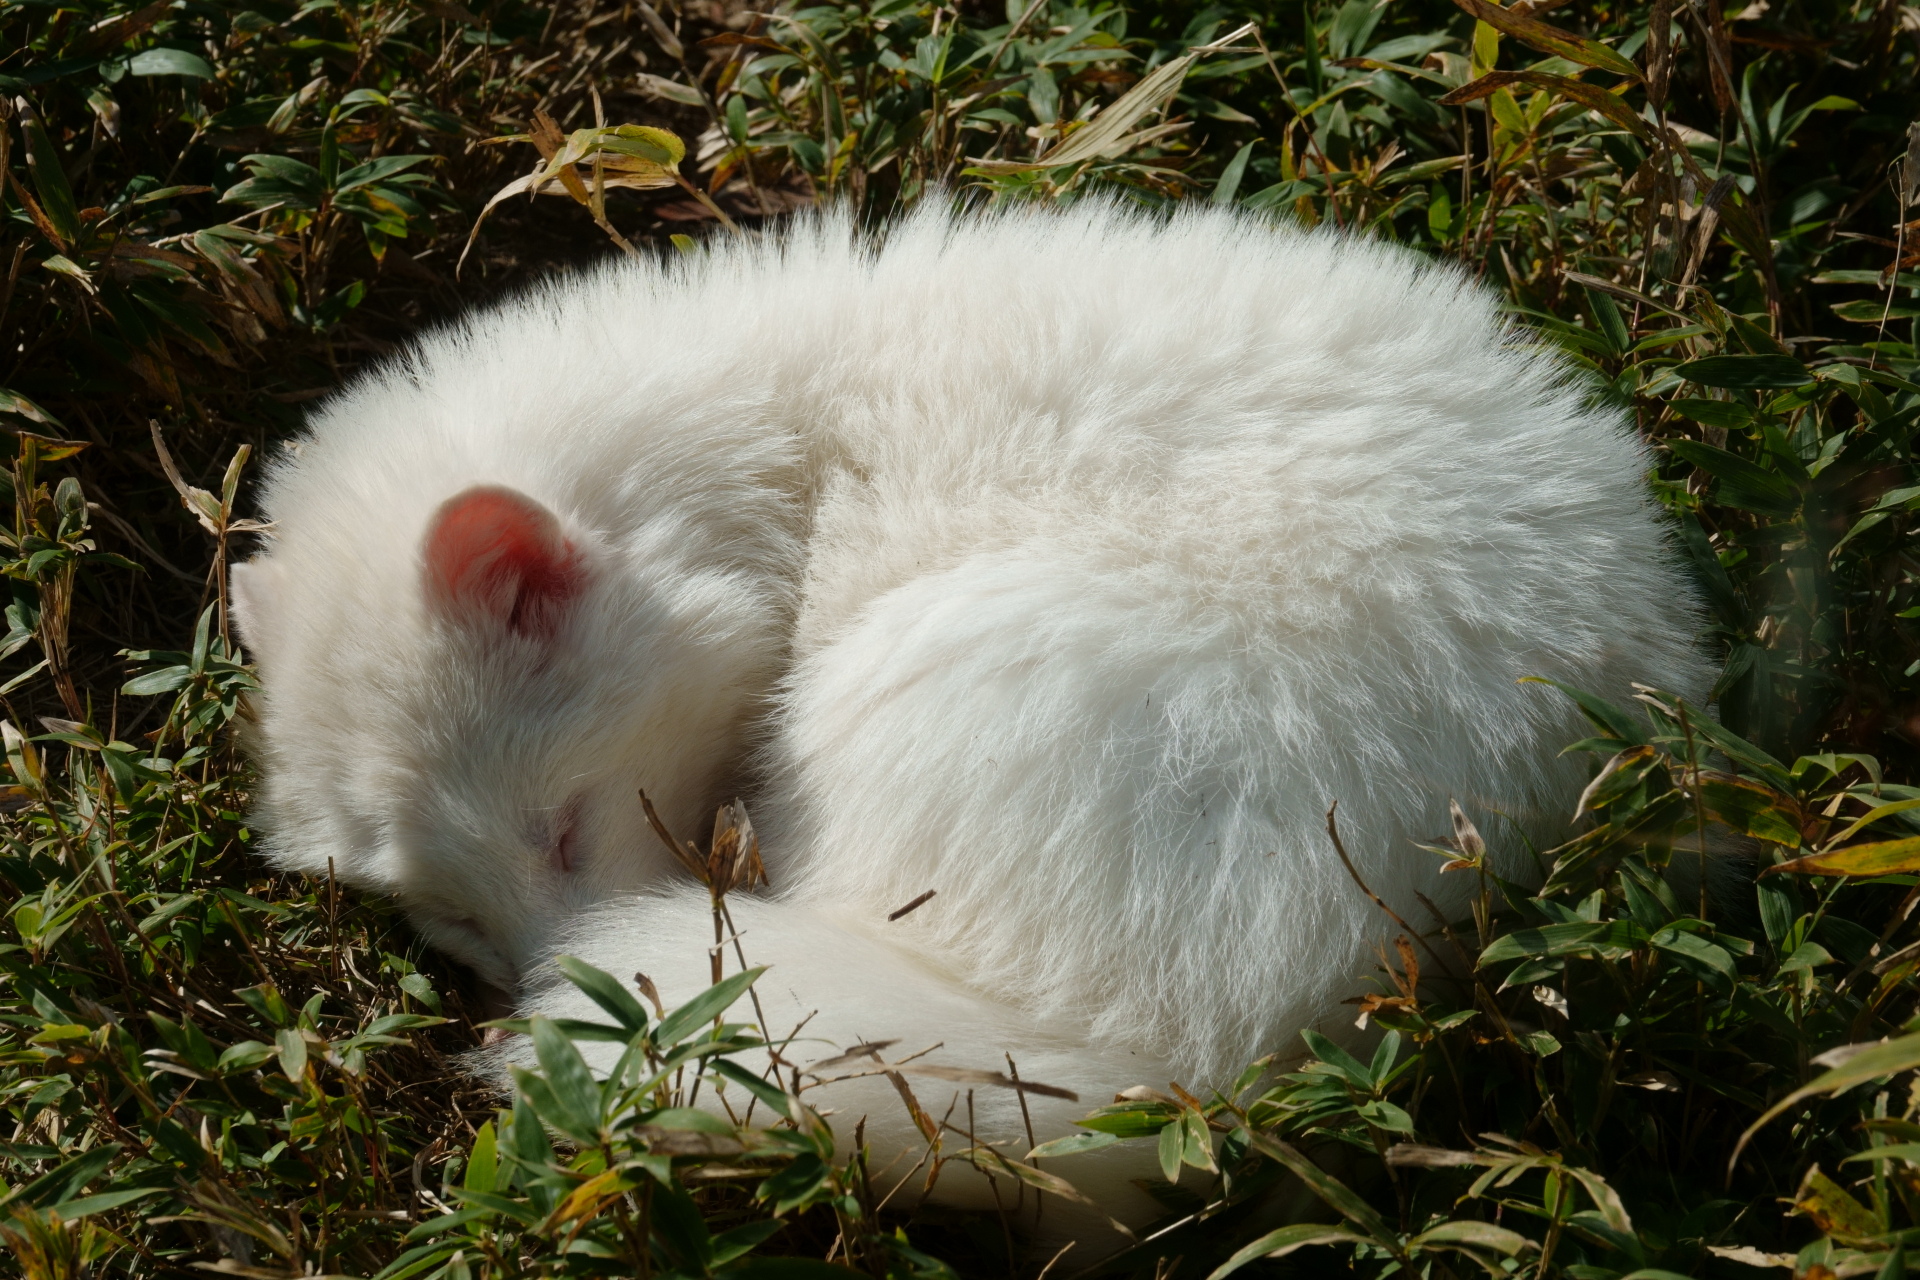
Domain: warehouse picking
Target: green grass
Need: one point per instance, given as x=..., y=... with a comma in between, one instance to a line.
x=213, y=213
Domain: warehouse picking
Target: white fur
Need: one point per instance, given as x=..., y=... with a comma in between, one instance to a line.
x=1067, y=563
x=834, y=981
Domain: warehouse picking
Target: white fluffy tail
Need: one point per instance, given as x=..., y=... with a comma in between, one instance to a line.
x=833, y=983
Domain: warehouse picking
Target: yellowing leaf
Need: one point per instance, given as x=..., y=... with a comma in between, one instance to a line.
x=632, y=156
x=1751, y=810
x=1834, y=1210
x=1881, y=858
x=589, y=1196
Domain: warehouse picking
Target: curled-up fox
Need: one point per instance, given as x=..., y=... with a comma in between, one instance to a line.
x=1068, y=564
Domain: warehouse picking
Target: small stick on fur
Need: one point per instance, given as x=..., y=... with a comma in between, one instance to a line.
x=1026, y=1118
x=911, y=907
x=1333, y=830
x=921, y=1120
x=688, y=861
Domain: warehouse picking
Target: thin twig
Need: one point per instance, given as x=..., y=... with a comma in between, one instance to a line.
x=1333, y=830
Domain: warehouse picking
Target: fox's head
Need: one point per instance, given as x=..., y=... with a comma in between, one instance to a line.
x=464, y=696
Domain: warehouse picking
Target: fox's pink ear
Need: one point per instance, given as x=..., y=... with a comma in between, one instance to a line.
x=494, y=555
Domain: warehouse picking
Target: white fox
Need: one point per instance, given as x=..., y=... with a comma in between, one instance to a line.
x=1068, y=564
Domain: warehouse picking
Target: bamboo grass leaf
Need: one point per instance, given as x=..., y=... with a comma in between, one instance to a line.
x=1281, y=1242
x=704, y=1008
x=1869, y=1063
x=1329, y=1189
